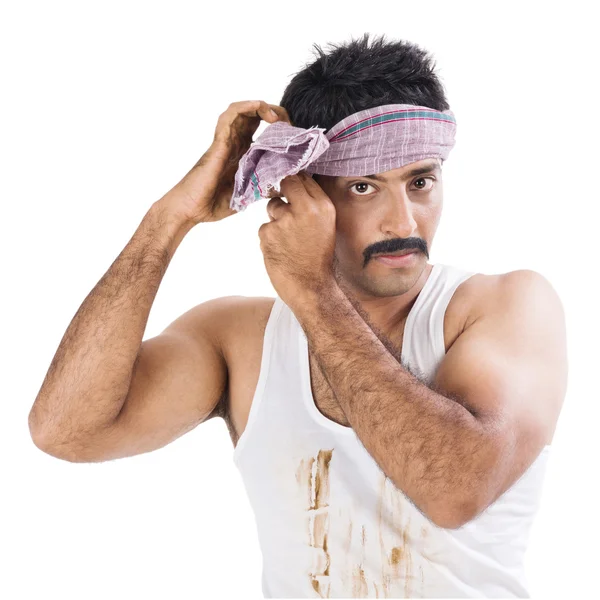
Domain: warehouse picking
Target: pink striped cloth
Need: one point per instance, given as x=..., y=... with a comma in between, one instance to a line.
x=365, y=143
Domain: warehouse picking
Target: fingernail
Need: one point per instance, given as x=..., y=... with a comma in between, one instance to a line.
x=274, y=114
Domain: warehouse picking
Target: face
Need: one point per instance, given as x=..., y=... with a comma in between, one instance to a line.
x=398, y=210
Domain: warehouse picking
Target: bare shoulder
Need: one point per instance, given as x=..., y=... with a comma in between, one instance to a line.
x=238, y=321
x=531, y=296
x=469, y=300
x=486, y=293
x=529, y=281
x=235, y=325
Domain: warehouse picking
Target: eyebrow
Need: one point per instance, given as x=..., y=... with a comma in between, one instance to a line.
x=429, y=168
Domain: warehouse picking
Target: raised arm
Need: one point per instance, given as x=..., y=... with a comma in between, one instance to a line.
x=103, y=377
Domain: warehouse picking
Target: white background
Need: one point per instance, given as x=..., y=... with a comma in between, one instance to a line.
x=106, y=105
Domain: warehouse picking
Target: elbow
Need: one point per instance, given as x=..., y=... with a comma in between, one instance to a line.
x=47, y=446
x=50, y=442
x=468, y=497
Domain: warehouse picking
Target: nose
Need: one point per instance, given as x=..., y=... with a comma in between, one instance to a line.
x=398, y=218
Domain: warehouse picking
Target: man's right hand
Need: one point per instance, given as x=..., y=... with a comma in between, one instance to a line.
x=204, y=194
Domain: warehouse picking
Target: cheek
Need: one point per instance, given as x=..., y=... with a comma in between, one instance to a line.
x=351, y=238
x=433, y=213
x=350, y=225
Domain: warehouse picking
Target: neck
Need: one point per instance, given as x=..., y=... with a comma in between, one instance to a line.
x=387, y=314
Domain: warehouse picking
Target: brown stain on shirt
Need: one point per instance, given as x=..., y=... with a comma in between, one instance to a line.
x=395, y=559
x=313, y=477
x=397, y=563
x=304, y=478
x=322, y=479
x=360, y=589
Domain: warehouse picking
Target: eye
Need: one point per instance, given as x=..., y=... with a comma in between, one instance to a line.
x=360, y=191
x=422, y=189
x=361, y=183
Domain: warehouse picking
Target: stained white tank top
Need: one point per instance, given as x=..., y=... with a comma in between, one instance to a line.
x=330, y=523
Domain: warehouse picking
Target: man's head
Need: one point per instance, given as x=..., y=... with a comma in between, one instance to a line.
x=392, y=210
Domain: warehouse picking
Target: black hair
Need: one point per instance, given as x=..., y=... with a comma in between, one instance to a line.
x=355, y=76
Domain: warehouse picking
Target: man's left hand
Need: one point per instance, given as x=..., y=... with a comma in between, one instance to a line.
x=298, y=243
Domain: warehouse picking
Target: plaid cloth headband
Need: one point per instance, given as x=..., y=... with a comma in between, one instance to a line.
x=367, y=142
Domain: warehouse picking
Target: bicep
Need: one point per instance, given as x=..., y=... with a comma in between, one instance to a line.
x=178, y=380
x=509, y=368
x=177, y=384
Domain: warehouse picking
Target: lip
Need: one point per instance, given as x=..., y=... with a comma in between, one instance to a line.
x=398, y=261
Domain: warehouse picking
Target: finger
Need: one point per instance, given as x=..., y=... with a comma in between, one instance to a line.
x=251, y=108
x=308, y=183
x=294, y=190
x=314, y=189
x=267, y=113
x=281, y=113
x=311, y=185
x=276, y=207
x=292, y=184
x=262, y=110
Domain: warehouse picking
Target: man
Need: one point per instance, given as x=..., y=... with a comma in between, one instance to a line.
x=391, y=418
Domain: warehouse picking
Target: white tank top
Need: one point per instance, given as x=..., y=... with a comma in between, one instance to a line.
x=330, y=523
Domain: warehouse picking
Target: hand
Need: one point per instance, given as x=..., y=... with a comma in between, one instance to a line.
x=298, y=243
x=203, y=195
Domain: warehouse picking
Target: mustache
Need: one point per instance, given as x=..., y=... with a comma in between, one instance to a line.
x=395, y=245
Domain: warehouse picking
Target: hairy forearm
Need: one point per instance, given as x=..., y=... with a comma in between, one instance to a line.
x=89, y=376
x=432, y=447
